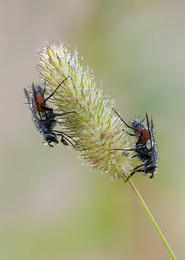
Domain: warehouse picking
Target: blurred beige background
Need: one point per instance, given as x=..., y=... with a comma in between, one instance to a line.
x=53, y=208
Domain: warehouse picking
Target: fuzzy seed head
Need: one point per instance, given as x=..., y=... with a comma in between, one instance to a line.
x=93, y=124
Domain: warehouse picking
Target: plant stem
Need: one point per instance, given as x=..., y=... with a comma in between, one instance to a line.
x=152, y=220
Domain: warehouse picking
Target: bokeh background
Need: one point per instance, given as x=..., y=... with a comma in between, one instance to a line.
x=52, y=207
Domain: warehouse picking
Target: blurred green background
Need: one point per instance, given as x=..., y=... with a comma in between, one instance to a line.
x=52, y=207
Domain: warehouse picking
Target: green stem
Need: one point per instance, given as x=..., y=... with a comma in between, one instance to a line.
x=152, y=220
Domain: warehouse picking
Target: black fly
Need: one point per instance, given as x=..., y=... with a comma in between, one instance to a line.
x=145, y=147
x=44, y=116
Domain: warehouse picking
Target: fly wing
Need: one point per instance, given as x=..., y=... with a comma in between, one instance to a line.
x=27, y=95
x=150, y=130
x=31, y=101
x=34, y=99
x=31, y=98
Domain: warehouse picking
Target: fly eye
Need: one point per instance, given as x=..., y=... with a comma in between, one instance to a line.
x=151, y=168
x=51, y=138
